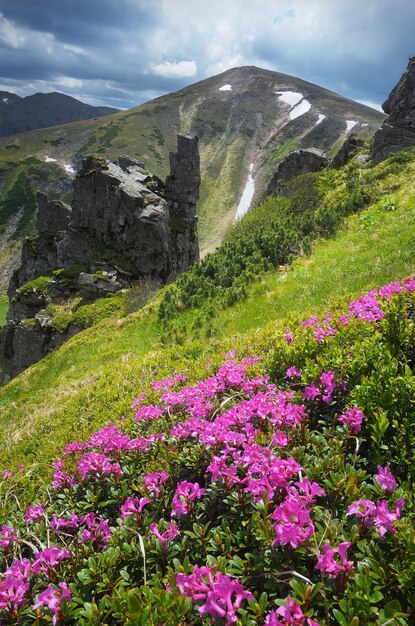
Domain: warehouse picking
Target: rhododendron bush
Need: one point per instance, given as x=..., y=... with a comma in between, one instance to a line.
x=276, y=490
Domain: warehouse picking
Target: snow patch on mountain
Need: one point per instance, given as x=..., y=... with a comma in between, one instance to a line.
x=290, y=97
x=350, y=124
x=247, y=195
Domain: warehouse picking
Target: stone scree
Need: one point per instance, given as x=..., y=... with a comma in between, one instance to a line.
x=123, y=219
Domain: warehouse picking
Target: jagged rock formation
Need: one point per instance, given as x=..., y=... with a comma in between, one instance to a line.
x=296, y=163
x=124, y=224
x=348, y=150
x=398, y=130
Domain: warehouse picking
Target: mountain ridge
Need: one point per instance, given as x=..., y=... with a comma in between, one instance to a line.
x=42, y=110
x=247, y=124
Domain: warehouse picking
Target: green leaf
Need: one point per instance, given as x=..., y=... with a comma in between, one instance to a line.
x=376, y=596
x=341, y=619
x=392, y=607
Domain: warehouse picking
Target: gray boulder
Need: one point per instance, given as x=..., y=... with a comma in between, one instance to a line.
x=296, y=163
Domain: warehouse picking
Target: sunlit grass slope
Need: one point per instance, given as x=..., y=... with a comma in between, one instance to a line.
x=91, y=379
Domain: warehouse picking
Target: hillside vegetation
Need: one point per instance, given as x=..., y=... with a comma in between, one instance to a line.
x=241, y=449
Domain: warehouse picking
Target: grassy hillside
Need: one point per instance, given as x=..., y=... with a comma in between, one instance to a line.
x=259, y=473
x=89, y=380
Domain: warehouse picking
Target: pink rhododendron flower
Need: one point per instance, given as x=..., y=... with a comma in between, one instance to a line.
x=13, y=593
x=293, y=372
x=109, y=439
x=52, y=598
x=280, y=439
x=154, y=481
x=7, y=536
x=388, y=290
x=20, y=568
x=311, y=392
x=377, y=514
x=97, y=464
x=385, y=479
x=319, y=334
x=185, y=493
x=293, y=524
x=34, y=513
x=353, y=417
x=291, y=614
x=133, y=506
x=329, y=565
x=96, y=529
x=312, y=321
x=64, y=523
x=168, y=535
x=222, y=595
x=148, y=412
x=288, y=337
x=367, y=308
x=60, y=477
x=49, y=558
x=138, y=400
x=168, y=383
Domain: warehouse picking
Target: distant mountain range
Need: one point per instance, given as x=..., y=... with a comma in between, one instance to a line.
x=247, y=119
x=42, y=110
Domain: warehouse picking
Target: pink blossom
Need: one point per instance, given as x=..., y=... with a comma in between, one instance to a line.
x=109, y=439
x=168, y=383
x=288, y=337
x=52, y=598
x=293, y=524
x=388, y=290
x=74, y=447
x=60, y=477
x=133, y=506
x=97, y=464
x=222, y=595
x=309, y=489
x=328, y=564
x=361, y=508
x=280, y=439
x=68, y=523
x=311, y=392
x=34, y=513
x=7, y=535
x=293, y=372
x=385, y=479
x=96, y=529
x=154, y=481
x=49, y=558
x=367, y=308
x=353, y=417
x=12, y=593
x=319, y=334
x=20, y=568
x=185, y=493
x=148, y=412
x=312, y=321
x=164, y=538
x=138, y=400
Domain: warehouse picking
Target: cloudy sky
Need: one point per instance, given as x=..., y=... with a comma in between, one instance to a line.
x=123, y=52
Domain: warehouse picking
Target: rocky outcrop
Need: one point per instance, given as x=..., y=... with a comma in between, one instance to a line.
x=398, y=130
x=348, y=151
x=296, y=163
x=124, y=224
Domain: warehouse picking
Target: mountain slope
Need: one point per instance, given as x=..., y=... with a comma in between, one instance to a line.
x=41, y=110
x=238, y=116
x=90, y=379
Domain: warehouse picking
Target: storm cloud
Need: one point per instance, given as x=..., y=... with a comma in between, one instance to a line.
x=124, y=52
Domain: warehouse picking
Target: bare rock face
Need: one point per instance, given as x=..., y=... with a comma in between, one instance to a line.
x=296, y=163
x=124, y=224
x=398, y=130
x=349, y=149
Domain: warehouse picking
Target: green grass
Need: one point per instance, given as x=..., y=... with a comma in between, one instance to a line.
x=4, y=305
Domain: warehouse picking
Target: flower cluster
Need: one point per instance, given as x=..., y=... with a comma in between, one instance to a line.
x=221, y=595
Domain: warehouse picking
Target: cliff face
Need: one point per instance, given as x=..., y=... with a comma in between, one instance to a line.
x=123, y=222
x=398, y=130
